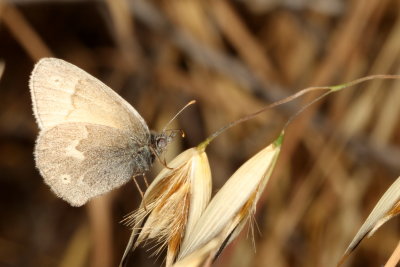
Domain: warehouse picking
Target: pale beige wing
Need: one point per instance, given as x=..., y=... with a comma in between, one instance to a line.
x=62, y=92
x=80, y=160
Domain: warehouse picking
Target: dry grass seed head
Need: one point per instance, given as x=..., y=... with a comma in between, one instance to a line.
x=173, y=202
x=230, y=208
x=386, y=208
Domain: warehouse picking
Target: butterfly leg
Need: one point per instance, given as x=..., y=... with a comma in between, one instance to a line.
x=147, y=186
x=145, y=180
x=162, y=161
x=165, y=164
x=137, y=186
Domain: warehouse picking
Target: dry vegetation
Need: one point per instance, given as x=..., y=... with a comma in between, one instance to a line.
x=233, y=57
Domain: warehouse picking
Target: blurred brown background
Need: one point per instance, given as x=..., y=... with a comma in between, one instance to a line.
x=233, y=57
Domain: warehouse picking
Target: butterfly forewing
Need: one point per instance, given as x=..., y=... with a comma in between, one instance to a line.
x=62, y=92
x=81, y=160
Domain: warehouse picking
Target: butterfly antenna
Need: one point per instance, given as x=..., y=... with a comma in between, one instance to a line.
x=179, y=112
x=177, y=130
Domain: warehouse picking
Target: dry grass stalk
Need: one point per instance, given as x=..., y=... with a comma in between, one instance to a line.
x=394, y=258
x=2, y=67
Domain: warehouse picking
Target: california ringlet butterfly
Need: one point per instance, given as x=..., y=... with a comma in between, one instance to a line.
x=91, y=140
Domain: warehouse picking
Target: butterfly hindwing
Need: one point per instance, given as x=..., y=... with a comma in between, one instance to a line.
x=82, y=160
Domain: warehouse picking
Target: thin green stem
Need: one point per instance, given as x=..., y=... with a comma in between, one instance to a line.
x=331, y=89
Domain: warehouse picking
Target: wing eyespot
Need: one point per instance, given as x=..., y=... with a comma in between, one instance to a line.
x=65, y=179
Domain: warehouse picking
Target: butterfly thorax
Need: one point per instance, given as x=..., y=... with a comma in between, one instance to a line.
x=143, y=158
x=144, y=155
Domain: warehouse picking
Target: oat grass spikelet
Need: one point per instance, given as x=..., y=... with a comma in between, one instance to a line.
x=172, y=203
x=386, y=208
x=202, y=257
x=233, y=205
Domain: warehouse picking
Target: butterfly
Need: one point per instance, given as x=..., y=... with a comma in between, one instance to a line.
x=91, y=140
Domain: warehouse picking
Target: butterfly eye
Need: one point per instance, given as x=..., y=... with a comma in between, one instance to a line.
x=161, y=143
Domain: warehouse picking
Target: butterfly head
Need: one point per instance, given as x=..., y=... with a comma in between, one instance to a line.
x=160, y=141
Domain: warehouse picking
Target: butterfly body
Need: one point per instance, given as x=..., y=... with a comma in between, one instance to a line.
x=91, y=140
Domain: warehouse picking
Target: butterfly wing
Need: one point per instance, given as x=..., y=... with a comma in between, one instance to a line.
x=81, y=160
x=62, y=92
